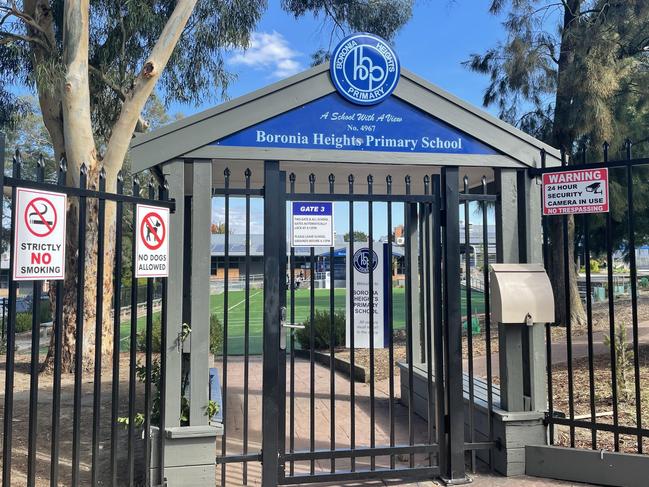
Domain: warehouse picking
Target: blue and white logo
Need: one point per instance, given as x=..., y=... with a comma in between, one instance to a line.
x=364, y=69
x=362, y=260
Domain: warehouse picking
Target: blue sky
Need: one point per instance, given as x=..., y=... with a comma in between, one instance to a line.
x=440, y=36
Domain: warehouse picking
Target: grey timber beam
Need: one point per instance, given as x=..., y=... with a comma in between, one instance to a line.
x=174, y=172
x=510, y=337
x=201, y=211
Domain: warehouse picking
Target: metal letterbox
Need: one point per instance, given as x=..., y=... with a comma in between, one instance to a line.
x=520, y=293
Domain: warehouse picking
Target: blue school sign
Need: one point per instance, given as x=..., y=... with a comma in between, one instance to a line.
x=333, y=123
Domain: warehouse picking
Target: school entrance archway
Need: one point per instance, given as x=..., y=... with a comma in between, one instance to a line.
x=411, y=179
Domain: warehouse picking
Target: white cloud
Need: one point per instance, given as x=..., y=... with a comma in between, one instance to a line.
x=269, y=51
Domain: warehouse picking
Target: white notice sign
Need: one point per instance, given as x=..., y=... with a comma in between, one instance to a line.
x=152, y=243
x=39, y=242
x=312, y=224
x=361, y=276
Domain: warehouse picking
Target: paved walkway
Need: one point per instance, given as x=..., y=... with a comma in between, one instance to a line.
x=323, y=421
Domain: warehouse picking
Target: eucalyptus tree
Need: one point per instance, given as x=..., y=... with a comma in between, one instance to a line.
x=562, y=74
x=93, y=64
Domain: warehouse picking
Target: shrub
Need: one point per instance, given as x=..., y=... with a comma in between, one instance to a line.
x=322, y=327
x=216, y=335
x=156, y=336
x=23, y=322
x=594, y=266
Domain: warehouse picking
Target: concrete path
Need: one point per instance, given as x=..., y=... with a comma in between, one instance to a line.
x=560, y=350
x=323, y=421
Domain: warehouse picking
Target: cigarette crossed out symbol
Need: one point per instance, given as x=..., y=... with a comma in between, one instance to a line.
x=39, y=219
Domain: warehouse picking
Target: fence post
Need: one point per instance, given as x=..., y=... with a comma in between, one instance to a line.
x=201, y=210
x=274, y=212
x=454, y=469
x=510, y=338
x=530, y=250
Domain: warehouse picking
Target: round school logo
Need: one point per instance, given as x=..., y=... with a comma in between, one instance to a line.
x=362, y=260
x=364, y=69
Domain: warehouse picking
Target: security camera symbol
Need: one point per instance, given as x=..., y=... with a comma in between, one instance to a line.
x=595, y=188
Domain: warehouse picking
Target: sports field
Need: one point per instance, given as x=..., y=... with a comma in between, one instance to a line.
x=237, y=313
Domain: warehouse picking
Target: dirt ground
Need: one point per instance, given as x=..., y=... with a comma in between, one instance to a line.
x=44, y=439
x=603, y=401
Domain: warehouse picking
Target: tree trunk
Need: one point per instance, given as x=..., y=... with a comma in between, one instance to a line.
x=564, y=136
x=91, y=281
x=75, y=130
x=565, y=285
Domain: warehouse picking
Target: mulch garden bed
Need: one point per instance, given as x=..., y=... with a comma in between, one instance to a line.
x=603, y=401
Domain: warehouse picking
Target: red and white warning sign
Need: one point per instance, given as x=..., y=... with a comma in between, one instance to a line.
x=152, y=244
x=579, y=191
x=39, y=240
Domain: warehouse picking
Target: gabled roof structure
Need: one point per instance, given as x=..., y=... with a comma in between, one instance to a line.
x=221, y=132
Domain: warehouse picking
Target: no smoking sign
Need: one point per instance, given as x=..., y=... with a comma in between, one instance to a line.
x=40, y=235
x=152, y=243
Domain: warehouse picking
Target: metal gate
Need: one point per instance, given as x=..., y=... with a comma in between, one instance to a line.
x=320, y=421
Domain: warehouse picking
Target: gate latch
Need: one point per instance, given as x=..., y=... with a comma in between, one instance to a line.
x=285, y=325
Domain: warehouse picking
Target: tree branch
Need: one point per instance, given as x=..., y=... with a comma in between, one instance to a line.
x=143, y=86
x=107, y=81
x=10, y=37
x=77, y=124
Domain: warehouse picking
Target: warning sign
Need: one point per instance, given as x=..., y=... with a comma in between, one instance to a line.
x=152, y=245
x=39, y=240
x=571, y=192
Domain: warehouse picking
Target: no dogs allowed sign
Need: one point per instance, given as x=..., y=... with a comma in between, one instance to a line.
x=152, y=243
x=39, y=240
x=572, y=192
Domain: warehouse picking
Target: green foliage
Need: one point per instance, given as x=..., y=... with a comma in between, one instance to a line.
x=322, y=331
x=644, y=282
x=123, y=34
x=381, y=17
x=211, y=409
x=591, y=57
x=23, y=322
x=358, y=237
x=594, y=266
x=156, y=336
x=216, y=335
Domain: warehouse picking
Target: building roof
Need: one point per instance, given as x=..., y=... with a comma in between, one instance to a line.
x=194, y=136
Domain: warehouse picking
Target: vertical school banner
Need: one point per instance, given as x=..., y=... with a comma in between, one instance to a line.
x=362, y=260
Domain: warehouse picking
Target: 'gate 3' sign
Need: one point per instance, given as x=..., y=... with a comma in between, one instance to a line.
x=152, y=244
x=580, y=191
x=40, y=235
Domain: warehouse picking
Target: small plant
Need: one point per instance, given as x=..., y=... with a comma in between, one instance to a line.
x=322, y=329
x=623, y=361
x=216, y=335
x=594, y=266
x=23, y=322
x=211, y=409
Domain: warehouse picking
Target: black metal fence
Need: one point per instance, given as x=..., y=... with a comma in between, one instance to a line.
x=333, y=424
x=75, y=429
x=598, y=364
